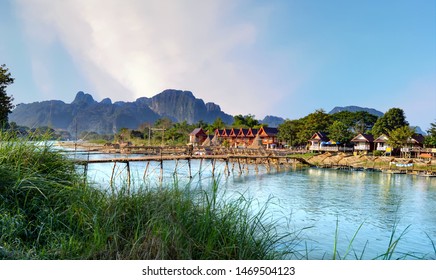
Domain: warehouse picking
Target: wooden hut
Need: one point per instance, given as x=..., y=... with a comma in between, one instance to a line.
x=197, y=137
x=269, y=137
x=317, y=140
x=363, y=143
x=381, y=144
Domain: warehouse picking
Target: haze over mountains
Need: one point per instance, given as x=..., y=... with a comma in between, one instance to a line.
x=107, y=117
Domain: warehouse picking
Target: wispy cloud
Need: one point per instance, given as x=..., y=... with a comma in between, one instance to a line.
x=133, y=48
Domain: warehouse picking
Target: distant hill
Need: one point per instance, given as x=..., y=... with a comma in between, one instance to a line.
x=105, y=117
x=369, y=110
x=356, y=109
x=272, y=121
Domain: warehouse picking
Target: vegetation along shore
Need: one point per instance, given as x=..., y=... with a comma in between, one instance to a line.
x=47, y=211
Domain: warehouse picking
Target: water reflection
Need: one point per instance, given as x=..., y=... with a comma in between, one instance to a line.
x=314, y=198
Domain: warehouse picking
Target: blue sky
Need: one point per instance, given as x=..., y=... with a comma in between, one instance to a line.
x=284, y=58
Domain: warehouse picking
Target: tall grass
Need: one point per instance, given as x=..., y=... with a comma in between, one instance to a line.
x=47, y=211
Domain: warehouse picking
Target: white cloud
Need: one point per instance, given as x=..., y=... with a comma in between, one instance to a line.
x=129, y=49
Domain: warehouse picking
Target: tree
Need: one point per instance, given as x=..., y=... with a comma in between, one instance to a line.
x=430, y=139
x=314, y=122
x=339, y=132
x=357, y=122
x=178, y=133
x=247, y=121
x=217, y=124
x=399, y=137
x=6, y=105
x=288, y=131
x=394, y=118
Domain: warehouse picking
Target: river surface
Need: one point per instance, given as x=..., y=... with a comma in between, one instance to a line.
x=316, y=203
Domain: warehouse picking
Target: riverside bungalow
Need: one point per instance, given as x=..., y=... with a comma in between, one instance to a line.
x=241, y=138
x=318, y=140
x=269, y=137
x=414, y=145
x=244, y=137
x=381, y=144
x=230, y=136
x=197, y=137
x=363, y=143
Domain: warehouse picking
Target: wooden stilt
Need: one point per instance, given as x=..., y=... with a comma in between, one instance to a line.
x=227, y=170
x=145, y=171
x=128, y=177
x=189, y=167
x=161, y=171
x=112, y=177
x=213, y=167
x=199, y=170
x=85, y=172
x=175, y=167
x=239, y=164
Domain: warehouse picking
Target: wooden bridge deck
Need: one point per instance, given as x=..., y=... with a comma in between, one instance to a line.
x=188, y=157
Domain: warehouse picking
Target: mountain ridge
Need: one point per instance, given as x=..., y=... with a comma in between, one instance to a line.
x=353, y=108
x=106, y=117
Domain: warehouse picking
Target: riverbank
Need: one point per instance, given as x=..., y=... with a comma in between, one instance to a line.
x=385, y=164
x=48, y=211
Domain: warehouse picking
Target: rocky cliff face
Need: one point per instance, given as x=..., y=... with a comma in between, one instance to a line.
x=183, y=106
x=105, y=117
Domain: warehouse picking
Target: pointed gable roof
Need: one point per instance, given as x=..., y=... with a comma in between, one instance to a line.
x=416, y=139
x=382, y=139
x=251, y=132
x=363, y=138
x=233, y=133
x=267, y=131
x=242, y=132
x=198, y=132
x=321, y=136
x=225, y=132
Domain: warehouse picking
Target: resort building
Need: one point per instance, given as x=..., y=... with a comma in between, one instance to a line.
x=414, y=146
x=269, y=137
x=234, y=137
x=320, y=142
x=363, y=143
x=317, y=141
x=197, y=137
x=381, y=144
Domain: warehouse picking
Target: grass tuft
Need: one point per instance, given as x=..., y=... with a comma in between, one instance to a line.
x=48, y=211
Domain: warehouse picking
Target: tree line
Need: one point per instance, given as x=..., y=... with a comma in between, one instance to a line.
x=341, y=126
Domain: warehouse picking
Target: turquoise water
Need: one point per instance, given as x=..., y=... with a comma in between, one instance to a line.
x=319, y=201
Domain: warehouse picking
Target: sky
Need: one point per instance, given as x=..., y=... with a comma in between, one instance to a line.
x=286, y=58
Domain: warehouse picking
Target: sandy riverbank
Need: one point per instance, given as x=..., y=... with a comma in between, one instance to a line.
x=373, y=162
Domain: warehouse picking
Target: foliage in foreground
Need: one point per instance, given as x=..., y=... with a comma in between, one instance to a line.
x=48, y=212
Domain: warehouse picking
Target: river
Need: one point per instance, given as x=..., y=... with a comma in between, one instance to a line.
x=317, y=203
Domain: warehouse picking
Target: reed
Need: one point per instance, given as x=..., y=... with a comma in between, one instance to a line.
x=47, y=211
